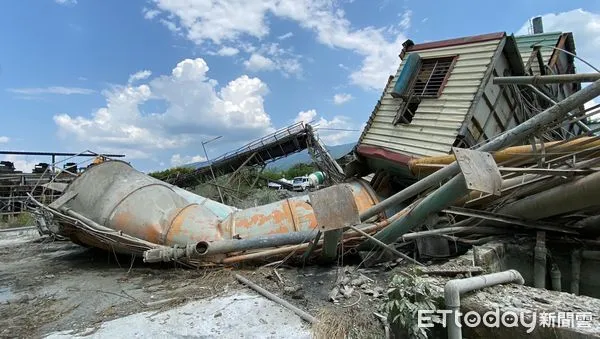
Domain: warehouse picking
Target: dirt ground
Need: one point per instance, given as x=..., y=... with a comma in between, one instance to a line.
x=48, y=286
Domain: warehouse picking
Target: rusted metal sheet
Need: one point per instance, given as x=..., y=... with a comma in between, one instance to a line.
x=480, y=170
x=334, y=208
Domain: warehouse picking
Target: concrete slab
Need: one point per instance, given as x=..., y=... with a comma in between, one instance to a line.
x=238, y=315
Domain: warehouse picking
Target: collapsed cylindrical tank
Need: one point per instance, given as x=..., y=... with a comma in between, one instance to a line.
x=115, y=195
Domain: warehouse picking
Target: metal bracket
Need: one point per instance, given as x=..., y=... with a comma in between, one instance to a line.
x=480, y=170
x=334, y=207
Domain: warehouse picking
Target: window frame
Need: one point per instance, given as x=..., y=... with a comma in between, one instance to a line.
x=454, y=58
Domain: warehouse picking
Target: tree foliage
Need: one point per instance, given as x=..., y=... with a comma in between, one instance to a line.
x=171, y=173
x=297, y=170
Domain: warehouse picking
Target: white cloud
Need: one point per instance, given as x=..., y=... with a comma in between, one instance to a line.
x=233, y=20
x=585, y=27
x=23, y=163
x=586, y=32
x=4, y=140
x=337, y=131
x=66, y=2
x=257, y=62
x=178, y=160
x=141, y=75
x=52, y=90
x=195, y=107
x=285, y=36
x=425, y=20
x=341, y=98
x=150, y=14
x=406, y=19
x=228, y=51
x=271, y=57
x=171, y=26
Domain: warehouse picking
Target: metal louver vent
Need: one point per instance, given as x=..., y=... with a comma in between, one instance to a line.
x=432, y=76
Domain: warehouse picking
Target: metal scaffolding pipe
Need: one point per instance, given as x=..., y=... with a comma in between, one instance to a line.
x=456, y=187
x=422, y=166
x=579, y=123
x=454, y=288
x=206, y=248
x=547, y=79
x=572, y=196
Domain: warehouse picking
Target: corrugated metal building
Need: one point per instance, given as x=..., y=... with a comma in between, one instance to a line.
x=445, y=115
x=450, y=99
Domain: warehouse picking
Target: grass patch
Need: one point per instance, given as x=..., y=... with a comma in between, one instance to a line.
x=19, y=220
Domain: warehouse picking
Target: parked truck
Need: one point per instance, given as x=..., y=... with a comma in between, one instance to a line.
x=312, y=181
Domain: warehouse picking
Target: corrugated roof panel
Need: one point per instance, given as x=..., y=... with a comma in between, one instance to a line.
x=546, y=40
x=435, y=125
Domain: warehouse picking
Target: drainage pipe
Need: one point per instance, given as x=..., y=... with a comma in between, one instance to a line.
x=456, y=187
x=575, y=271
x=556, y=278
x=539, y=261
x=454, y=289
x=547, y=79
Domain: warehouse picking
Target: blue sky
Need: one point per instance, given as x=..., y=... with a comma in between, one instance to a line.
x=152, y=79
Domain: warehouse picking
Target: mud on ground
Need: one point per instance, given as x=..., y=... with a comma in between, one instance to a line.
x=48, y=286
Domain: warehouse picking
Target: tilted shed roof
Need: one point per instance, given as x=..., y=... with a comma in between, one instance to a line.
x=525, y=44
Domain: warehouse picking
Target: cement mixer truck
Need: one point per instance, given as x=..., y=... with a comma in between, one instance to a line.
x=312, y=181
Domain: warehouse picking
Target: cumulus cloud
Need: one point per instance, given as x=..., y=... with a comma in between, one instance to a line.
x=59, y=90
x=203, y=21
x=271, y=57
x=257, y=62
x=141, y=75
x=4, y=140
x=195, y=107
x=228, y=51
x=336, y=131
x=179, y=160
x=341, y=98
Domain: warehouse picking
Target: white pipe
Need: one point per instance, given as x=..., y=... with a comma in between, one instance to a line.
x=454, y=288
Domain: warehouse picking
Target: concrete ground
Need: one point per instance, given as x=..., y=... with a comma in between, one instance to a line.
x=58, y=289
x=62, y=290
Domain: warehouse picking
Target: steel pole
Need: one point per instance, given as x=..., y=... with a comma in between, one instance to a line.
x=547, y=79
x=456, y=187
x=211, y=170
x=552, y=101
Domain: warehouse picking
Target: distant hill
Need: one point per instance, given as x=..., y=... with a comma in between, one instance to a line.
x=303, y=157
